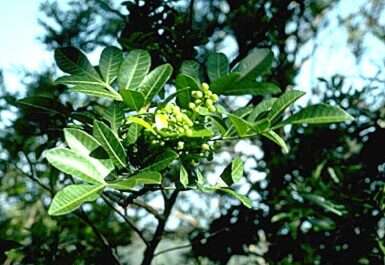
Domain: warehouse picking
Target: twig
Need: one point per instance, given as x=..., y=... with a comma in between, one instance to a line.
x=148, y=255
x=33, y=175
x=128, y=221
x=148, y=208
x=172, y=249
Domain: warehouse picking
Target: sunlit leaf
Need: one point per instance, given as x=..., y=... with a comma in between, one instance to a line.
x=318, y=114
x=133, y=69
x=109, y=63
x=114, y=114
x=72, y=197
x=183, y=176
x=80, y=141
x=242, y=198
x=74, y=164
x=155, y=81
x=233, y=172
x=142, y=178
x=142, y=123
x=73, y=61
x=285, y=100
x=96, y=91
x=110, y=142
x=274, y=137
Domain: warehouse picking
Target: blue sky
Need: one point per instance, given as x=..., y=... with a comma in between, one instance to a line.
x=20, y=48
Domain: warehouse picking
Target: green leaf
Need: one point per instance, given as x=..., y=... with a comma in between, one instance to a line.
x=42, y=104
x=110, y=142
x=251, y=87
x=224, y=83
x=72, y=197
x=185, y=84
x=155, y=80
x=233, y=172
x=79, y=80
x=74, y=164
x=201, y=133
x=96, y=91
x=242, y=198
x=132, y=134
x=142, y=178
x=261, y=126
x=191, y=68
x=161, y=161
x=217, y=125
x=274, y=137
x=285, y=100
x=183, y=176
x=73, y=61
x=142, y=123
x=256, y=63
x=337, y=209
x=317, y=114
x=133, y=69
x=115, y=116
x=263, y=106
x=109, y=63
x=217, y=66
x=80, y=141
x=133, y=99
x=241, y=126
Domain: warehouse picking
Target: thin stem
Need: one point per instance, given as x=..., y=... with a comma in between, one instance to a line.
x=148, y=208
x=128, y=221
x=172, y=249
x=148, y=255
x=33, y=175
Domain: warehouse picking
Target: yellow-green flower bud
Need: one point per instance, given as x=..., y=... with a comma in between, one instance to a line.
x=179, y=117
x=209, y=93
x=197, y=94
x=198, y=101
x=180, y=145
x=176, y=109
x=211, y=108
x=168, y=108
x=191, y=105
x=205, y=86
x=209, y=102
x=214, y=97
x=205, y=147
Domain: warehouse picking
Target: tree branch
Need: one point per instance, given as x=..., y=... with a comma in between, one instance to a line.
x=128, y=221
x=149, y=252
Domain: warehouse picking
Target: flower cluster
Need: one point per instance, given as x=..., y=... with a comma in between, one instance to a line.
x=172, y=121
x=172, y=124
x=203, y=98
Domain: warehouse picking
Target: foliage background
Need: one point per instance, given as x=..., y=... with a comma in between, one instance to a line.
x=320, y=204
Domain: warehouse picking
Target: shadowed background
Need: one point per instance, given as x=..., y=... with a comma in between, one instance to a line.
x=319, y=204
